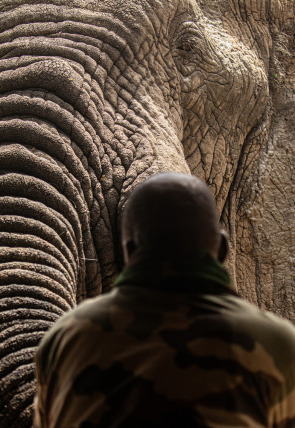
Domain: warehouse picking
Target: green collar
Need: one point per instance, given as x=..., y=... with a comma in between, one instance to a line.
x=204, y=275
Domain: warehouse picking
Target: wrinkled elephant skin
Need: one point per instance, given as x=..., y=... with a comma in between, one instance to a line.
x=96, y=96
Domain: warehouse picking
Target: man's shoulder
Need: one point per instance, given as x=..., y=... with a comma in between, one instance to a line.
x=90, y=308
x=86, y=311
x=274, y=334
x=74, y=325
x=248, y=316
x=268, y=320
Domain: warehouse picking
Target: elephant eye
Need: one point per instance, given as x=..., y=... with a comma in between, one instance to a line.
x=185, y=47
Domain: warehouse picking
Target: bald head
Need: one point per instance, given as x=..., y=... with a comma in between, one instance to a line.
x=171, y=215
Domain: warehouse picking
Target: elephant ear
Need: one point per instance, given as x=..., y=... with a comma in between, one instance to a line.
x=264, y=224
x=259, y=210
x=282, y=61
x=276, y=175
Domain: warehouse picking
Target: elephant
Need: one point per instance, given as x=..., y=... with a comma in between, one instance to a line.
x=97, y=96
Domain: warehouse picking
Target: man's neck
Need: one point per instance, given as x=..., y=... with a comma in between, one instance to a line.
x=177, y=257
x=196, y=274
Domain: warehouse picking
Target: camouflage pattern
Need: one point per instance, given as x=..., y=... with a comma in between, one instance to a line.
x=180, y=350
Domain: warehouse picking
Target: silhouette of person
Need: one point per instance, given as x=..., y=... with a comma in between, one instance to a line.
x=172, y=344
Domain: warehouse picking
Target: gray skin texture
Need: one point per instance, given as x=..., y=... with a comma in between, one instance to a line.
x=98, y=95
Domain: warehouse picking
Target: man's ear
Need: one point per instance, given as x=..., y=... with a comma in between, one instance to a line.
x=130, y=247
x=224, y=247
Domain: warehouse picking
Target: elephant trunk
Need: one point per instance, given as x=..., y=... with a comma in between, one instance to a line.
x=82, y=122
x=47, y=257
x=43, y=264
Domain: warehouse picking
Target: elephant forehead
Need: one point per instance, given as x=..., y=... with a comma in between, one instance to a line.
x=133, y=22
x=130, y=10
x=134, y=15
x=129, y=17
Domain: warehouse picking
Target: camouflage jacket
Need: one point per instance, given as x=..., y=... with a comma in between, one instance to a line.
x=169, y=346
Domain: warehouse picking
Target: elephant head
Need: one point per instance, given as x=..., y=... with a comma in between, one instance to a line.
x=95, y=97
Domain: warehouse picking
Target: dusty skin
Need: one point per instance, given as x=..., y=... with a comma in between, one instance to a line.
x=96, y=96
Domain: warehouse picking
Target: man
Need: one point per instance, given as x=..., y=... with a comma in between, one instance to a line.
x=172, y=345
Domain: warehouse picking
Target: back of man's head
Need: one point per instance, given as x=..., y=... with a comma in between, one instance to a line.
x=171, y=215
